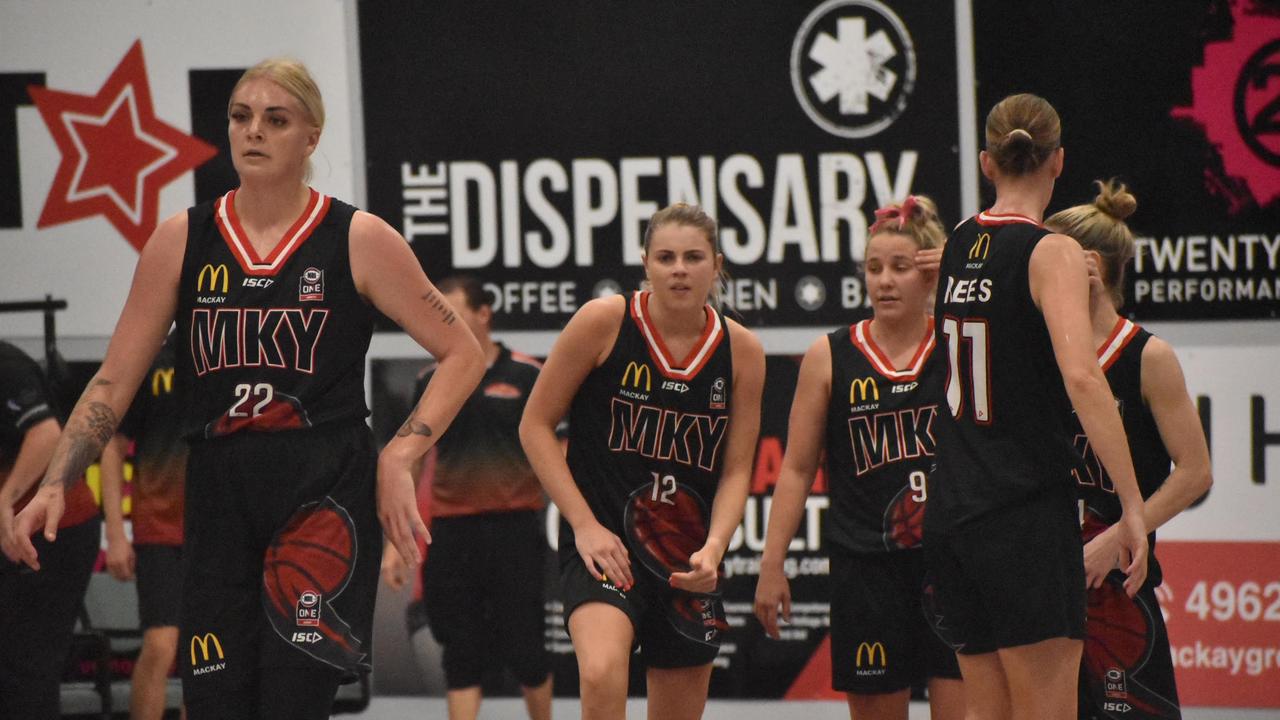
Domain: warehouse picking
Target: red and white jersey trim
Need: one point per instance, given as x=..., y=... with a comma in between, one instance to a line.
x=712, y=334
x=860, y=334
x=224, y=213
x=989, y=218
x=1124, y=332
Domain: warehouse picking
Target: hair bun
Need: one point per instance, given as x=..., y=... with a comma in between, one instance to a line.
x=1114, y=199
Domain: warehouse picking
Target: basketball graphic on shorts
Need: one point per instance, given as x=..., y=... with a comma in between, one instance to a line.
x=665, y=531
x=1092, y=525
x=306, y=567
x=904, y=521
x=1117, y=631
x=309, y=560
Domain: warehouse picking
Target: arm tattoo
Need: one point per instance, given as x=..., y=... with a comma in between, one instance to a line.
x=413, y=427
x=439, y=304
x=85, y=440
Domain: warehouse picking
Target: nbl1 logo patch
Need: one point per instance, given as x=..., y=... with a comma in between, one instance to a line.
x=853, y=67
x=308, y=609
x=311, y=285
x=717, y=394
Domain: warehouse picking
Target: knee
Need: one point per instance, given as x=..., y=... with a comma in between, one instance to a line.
x=601, y=677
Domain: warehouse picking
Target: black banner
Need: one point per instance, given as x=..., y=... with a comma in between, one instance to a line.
x=528, y=146
x=1181, y=101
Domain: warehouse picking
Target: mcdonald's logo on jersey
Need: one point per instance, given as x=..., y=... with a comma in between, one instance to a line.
x=871, y=655
x=633, y=376
x=864, y=390
x=208, y=662
x=161, y=380
x=978, y=250
x=207, y=281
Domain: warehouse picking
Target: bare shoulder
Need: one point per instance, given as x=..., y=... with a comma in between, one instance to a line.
x=1055, y=245
x=1160, y=365
x=171, y=232
x=368, y=228
x=601, y=313
x=744, y=341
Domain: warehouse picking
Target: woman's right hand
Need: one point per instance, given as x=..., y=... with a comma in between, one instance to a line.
x=120, y=558
x=395, y=571
x=604, y=554
x=773, y=598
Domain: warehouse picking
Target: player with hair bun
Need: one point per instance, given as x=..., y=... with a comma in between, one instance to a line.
x=868, y=395
x=1002, y=533
x=1126, y=651
x=663, y=397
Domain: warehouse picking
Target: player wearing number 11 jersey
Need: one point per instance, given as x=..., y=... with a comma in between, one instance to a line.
x=1001, y=534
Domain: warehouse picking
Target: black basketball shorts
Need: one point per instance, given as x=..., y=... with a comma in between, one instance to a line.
x=159, y=573
x=673, y=629
x=1009, y=578
x=281, y=561
x=482, y=593
x=1127, y=670
x=881, y=641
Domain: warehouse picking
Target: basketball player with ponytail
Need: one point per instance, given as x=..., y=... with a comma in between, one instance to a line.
x=1162, y=426
x=1002, y=532
x=273, y=287
x=851, y=380
x=663, y=397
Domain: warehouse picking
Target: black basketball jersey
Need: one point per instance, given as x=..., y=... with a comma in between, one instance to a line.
x=1121, y=359
x=273, y=343
x=647, y=431
x=880, y=441
x=1007, y=433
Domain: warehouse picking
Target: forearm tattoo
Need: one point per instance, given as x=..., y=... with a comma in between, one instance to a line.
x=413, y=427
x=86, y=434
x=438, y=303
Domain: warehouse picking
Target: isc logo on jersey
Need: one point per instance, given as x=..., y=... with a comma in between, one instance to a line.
x=676, y=386
x=307, y=637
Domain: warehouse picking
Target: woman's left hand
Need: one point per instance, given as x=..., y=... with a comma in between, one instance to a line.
x=1101, y=556
x=928, y=261
x=703, y=574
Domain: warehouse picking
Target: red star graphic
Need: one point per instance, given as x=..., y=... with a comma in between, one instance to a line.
x=116, y=154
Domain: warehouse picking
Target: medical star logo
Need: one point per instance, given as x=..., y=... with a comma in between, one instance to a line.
x=853, y=66
x=116, y=154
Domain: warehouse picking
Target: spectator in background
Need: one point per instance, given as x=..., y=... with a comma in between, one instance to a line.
x=154, y=556
x=37, y=609
x=482, y=579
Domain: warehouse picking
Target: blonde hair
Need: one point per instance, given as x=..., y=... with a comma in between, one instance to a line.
x=1100, y=226
x=296, y=80
x=1022, y=132
x=915, y=217
x=692, y=216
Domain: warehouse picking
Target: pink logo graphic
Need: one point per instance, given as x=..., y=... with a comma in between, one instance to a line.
x=1236, y=100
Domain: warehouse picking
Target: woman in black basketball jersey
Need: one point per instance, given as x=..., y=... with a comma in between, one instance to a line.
x=867, y=396
x=1002, y=535
x=663, y=395
x=1127, y=636
x=273, y=288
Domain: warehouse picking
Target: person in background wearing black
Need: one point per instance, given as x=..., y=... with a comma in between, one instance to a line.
x=37, y=609
x=485, y=505
x=154, y=555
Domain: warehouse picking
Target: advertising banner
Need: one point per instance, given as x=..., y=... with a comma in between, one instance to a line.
x=1180, y=101
x=529, y=147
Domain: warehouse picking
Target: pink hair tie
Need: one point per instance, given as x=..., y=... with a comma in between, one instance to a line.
x=901, y=213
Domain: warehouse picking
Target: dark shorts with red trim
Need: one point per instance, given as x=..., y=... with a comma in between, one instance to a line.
x=1127, y=670
x=281, y=563
x=1009, y=578
x=881, y=641
x=673, y=629
x=159, y=571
